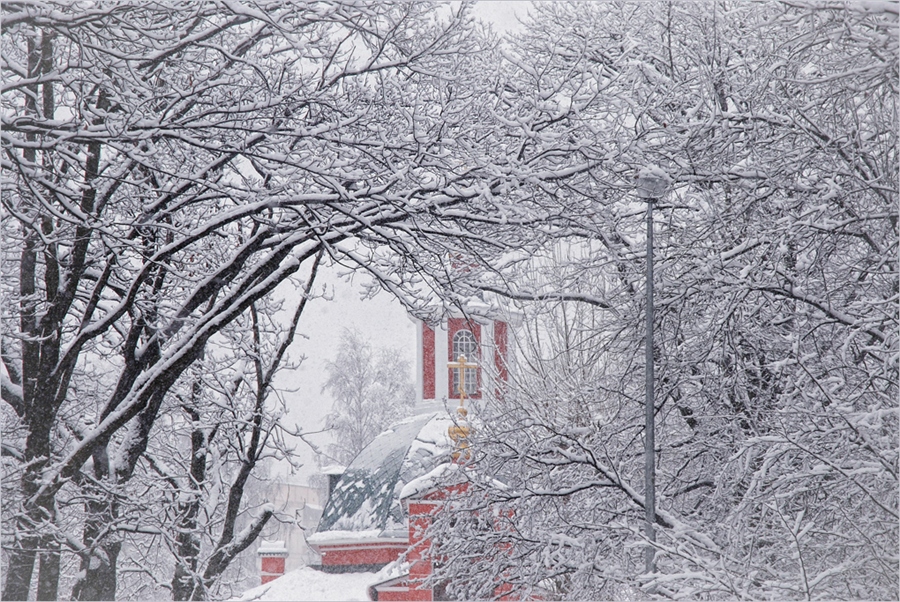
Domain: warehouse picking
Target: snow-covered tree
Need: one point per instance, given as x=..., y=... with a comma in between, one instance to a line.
x=166, y=167
x=205, y=524
x=371, y=389
x=776, y=349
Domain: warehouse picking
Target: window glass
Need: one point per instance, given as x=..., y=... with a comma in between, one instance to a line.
x=464, y=343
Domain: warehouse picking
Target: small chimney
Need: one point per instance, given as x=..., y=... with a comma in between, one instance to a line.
x=272, y=555
x=334, y=474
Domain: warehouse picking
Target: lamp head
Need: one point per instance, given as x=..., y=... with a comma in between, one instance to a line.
x=652, y=183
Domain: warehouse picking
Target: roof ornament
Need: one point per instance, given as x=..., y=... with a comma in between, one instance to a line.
x=459, y=431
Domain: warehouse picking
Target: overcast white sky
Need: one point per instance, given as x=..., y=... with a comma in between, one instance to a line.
x=382, y=319
x=502, y=13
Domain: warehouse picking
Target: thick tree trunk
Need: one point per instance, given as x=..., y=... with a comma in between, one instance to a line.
x=40, y=354
x=185, y=579
x=21, y=564
x=20, y=567
x=34, y=513
x=48, y=578
x=98, y=581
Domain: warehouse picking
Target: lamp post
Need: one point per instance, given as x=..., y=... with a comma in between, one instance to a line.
x=651, y=186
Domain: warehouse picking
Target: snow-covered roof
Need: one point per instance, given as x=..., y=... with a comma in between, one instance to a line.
x=268, y=547
x=396, y=571
x=483, y=306
x=365, y=502
x=441, y=476
x=309, y=584
x=429, y=481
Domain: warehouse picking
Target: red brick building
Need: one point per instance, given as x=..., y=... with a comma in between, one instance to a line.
x=363, y=526
x=422, y=499
x=378, y=508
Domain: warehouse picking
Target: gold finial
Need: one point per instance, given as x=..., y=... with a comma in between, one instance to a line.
x=459, y=432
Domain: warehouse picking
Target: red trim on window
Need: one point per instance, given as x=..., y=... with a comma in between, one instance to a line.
x=500, y=350
x=428, y=387
x=454, y=325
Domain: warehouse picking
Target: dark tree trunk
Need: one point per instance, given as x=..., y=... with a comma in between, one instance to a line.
x=48, y=578
x=99, y=583
x=36, y=512
x=185, y=579
x=99, y=568
x=20, y=568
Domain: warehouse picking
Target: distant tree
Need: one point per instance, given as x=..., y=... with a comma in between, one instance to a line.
x=371, y=387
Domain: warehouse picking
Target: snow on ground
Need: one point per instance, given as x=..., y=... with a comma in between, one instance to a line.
x=309, y=584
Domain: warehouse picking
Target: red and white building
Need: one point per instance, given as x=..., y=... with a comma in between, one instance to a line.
x=484, y=341
x=378, y=506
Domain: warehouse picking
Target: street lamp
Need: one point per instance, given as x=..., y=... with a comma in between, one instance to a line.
x=651, y=186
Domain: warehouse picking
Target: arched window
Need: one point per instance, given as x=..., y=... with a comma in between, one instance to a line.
x=464, y=343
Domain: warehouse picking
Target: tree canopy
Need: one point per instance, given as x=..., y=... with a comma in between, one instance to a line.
x=776, y=348
x=169, y=168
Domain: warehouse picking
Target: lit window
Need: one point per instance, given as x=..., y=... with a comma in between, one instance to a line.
x=464, y=343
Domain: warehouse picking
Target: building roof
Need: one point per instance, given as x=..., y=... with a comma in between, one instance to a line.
x=428, y=482
x=365, y=502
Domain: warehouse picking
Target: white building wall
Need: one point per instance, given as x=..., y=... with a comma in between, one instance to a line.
x=441, y=359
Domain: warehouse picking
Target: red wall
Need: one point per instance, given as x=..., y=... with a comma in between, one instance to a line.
x=350, y=554
x=272, y=568
x=420, y=513
x=400, y=595
x=420, y=562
